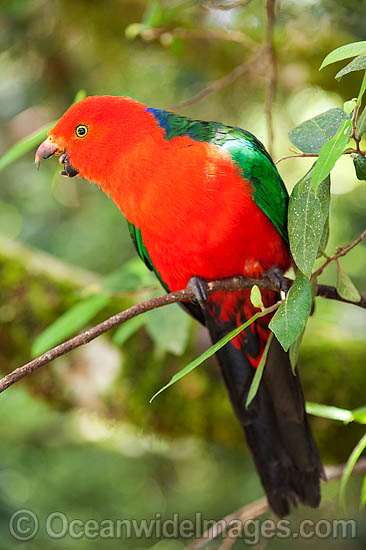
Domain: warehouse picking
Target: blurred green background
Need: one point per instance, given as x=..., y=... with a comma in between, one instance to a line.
x=79, y=436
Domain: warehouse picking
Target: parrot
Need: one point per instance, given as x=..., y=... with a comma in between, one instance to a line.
x=204, y=201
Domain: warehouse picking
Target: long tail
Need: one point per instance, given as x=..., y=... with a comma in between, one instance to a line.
x=276, y=426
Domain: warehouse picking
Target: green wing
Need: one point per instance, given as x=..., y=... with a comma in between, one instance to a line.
x=246, y=151
x=142, y=251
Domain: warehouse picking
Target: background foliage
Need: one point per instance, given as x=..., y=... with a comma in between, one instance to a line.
x=159, y=53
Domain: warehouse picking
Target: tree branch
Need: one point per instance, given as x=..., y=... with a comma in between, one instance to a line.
x=258, y=508
x=341, y=252
x=266, y=50
x=272, y=72
x=233, y=283
x=330, y=292
x=217, y=85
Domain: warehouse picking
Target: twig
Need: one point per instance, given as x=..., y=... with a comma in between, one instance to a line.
x=272, y=72
x=299, y=155
x=199, y=34
x=233, y=283
x=330, y=292
x=258, y=508
x=354, y=129
x=225, y=7
x=246, y=513
x=342, y=252
x=217, y=85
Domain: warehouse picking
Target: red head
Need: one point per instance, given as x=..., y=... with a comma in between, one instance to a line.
x=94, y=136
x=117, y=143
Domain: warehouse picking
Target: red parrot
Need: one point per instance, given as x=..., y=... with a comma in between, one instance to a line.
x=204, y=201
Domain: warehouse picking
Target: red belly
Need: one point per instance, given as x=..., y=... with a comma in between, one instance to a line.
x=213, y=250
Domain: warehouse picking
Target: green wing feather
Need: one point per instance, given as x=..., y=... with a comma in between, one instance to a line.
x=142, y=251
x=246, y=151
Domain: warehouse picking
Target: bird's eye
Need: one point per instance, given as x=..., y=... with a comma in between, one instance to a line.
x=81, y=130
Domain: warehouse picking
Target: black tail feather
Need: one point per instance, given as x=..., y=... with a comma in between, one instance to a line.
x=276, y=426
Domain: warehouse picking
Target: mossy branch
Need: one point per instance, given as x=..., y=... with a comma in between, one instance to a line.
x=233, y=283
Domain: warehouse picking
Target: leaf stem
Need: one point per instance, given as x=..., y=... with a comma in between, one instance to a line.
x=354, y=128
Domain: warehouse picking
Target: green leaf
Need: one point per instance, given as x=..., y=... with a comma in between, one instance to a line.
x=69, y=323
x=311, y=135
x=348, y=106
x=324, y=238
x=133, y=275
x=313, y=288
x=354, y=456
x=29, y=143
x=359, y=162
x=327, y=411
x=345, y=288
x=307, y=215
x=294, y=352
x=344, y=52
x=362, y=89
x=357, y=64
x=363, y=493
x=290, y=319
x=330, y=153
x=25, y=145
x=81, y=94
x=209, y=352
x=125, y=331
x=335, y=413
x=258, y=373
x=256, y=297
x=361, y=124
x=133, y=30
x=153, y=15
x=169, y=328
x=359, y=415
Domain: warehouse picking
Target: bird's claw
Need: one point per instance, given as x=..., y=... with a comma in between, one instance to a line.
x=199, y=288
x=276, y=277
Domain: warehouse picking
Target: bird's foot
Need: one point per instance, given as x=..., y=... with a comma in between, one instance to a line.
x=199, y=288
x=277, y=278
